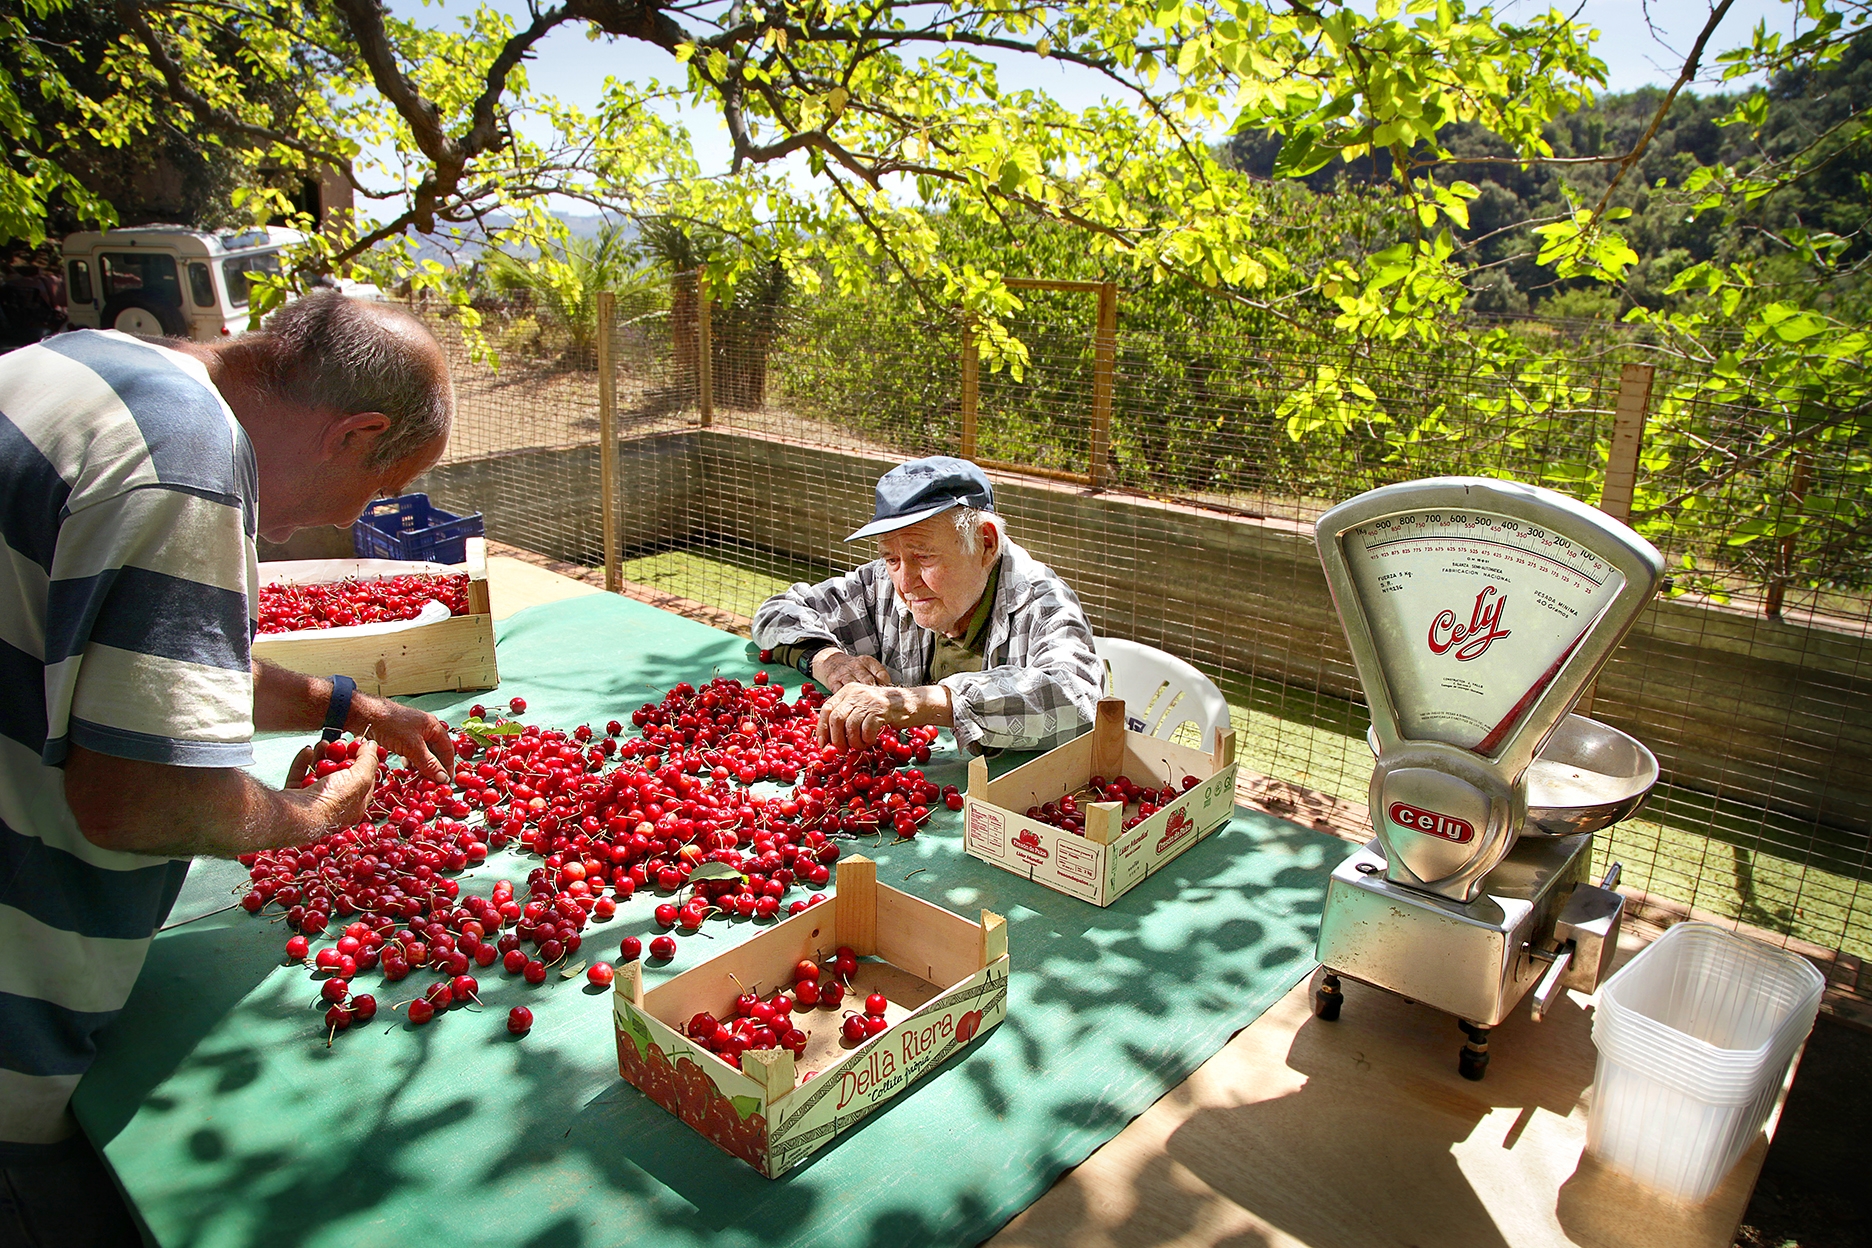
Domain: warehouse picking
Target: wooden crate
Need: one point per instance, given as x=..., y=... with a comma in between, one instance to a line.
x=1107, y=861
x=945, y=979
x=445, y=656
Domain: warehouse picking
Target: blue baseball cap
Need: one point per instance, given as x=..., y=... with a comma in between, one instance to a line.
x=911, y=493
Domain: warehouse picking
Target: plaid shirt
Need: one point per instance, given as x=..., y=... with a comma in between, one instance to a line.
x=1042, y=680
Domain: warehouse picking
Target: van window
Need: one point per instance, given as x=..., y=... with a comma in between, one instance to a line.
x=201, y=285
x=235, y=269
x=148, y=272
x=78, y=278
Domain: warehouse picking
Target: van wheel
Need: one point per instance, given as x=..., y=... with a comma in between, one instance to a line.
x=142, y=314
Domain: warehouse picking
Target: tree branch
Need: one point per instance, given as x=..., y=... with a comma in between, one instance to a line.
x=1684, y=76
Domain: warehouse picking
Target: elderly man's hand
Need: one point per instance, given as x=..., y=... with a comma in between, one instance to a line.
x=421, y=738
x=835, y=669
x=852, y=718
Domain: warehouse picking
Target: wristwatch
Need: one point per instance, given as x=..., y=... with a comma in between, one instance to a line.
x=808, y=654
x=343, y=687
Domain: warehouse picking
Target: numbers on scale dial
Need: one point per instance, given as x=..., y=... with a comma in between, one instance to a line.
x=1497, y=536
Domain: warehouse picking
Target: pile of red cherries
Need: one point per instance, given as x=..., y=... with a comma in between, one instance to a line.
x=1068, y=813
x=771, y=1022
x=336, y=604
x=670, y=811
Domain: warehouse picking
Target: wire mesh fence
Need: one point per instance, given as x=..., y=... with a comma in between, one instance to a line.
x=750, y=434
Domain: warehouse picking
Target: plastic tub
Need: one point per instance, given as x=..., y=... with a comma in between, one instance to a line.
x=409, y=528
x=1694, y=1035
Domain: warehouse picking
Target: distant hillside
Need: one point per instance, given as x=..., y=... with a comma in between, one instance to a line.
x=457, y=247
x=1801, y=108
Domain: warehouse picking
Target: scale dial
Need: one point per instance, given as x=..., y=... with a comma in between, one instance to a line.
x=1473, y=614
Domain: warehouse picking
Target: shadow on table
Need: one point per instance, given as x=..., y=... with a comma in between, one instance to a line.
x=454, y=1133
x=195, y=976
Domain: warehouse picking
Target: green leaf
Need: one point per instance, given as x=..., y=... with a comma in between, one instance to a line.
x=713, y=871
x=486, y=733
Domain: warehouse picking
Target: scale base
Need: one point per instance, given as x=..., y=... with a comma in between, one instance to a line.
x=1474, y=960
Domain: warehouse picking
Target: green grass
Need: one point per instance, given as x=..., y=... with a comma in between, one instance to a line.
x=1715, y=854
x=737, y=581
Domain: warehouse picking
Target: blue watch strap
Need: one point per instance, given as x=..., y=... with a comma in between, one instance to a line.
x=343, y=687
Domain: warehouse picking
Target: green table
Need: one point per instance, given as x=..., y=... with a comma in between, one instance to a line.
x=229, y=1121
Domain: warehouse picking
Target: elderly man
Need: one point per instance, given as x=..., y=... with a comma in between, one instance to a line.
x=954, y=625
x=133, y=478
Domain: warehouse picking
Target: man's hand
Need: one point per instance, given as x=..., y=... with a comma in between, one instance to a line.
x=293, y=702
x=852, y=718
x=835, y=669
x=340, y=799
x=421, y=738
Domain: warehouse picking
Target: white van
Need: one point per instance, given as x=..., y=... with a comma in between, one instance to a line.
x=171, y=281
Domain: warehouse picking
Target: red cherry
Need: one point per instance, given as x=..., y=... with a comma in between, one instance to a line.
x=517, y=706
x=464, y=988
x=297, y=947
x=876, y=1004
x=875, y=1025
x=663, y=948
x=831, y=993
x=807, y=969
x=534, y=972
x=363, y=1007
x=600, y=973
x=853, y=1028
x=514, y=962
x=807, y=993
x=334, y=989
x=420, y=1011
x=953, y=801
x=666, y=914
x=519, y=1020
x=630, y=948
x=338, y=1018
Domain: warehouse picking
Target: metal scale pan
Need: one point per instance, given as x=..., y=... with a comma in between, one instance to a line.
x=1477, y=611
x=1585, y=777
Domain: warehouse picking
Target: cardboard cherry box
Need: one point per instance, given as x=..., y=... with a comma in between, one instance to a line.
x=1106, y=862
x=944, y=977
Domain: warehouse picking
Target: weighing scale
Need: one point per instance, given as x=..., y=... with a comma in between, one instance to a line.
x=1477, y=612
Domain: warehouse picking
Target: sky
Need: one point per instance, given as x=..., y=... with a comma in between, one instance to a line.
x=1642, y=42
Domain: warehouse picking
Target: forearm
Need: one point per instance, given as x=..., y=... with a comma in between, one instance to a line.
x=286, y=701
x=1011, y=708
x=931, y=704
x=152, y=808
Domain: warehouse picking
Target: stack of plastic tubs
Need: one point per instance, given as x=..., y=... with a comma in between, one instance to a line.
x=1694, y=1035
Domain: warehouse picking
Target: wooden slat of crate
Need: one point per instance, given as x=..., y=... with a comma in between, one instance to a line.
x=448, y=655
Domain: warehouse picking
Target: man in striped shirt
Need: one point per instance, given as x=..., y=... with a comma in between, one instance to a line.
x=134, y=477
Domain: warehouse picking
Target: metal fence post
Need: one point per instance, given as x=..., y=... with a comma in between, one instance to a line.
x=705, y=355
x=971, y=387
x=1105, y=359
x=607, y=438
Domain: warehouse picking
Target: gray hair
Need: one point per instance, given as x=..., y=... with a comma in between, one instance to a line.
x=330, y=352
x=970, y=521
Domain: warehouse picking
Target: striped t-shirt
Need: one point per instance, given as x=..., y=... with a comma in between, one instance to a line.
x=128, y=580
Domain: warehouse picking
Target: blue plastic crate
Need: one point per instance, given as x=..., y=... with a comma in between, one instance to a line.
x=409, y=528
